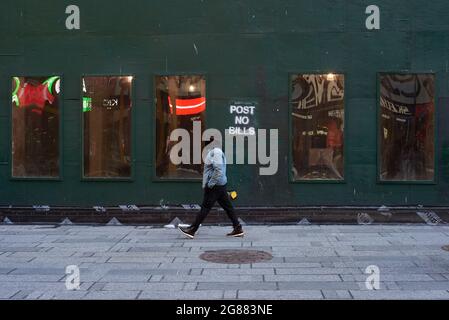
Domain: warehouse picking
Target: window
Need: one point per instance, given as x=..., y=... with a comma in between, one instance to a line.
x=35, y=126
x=407, y=150
x=318, y=126
x=180, y=101
x=107, y=126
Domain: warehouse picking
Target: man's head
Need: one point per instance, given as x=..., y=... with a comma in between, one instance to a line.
x=211, y=139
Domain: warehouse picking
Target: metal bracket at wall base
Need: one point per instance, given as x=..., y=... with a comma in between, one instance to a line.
x=65, y=222
x=304, y=221
x=7, y=221
x=175, y=223
x=430, y=218
x=114, y=222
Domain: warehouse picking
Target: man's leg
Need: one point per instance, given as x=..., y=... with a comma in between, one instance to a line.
x=225, y=203
x=210, y=196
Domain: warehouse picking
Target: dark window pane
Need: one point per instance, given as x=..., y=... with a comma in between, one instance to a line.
x=189, y=93
x=407, y=107
x=35, y=126
x=107, y=126
x=318, y=126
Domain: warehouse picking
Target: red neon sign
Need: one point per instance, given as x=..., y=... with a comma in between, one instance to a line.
x=188, y=106
x=27, y=94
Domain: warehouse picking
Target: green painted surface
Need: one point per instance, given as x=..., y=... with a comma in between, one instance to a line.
x=247, y=49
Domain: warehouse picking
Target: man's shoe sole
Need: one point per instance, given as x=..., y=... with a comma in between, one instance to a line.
x=237, y=235
x=186, y=234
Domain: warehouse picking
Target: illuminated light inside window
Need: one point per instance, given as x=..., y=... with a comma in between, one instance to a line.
x=330, y=77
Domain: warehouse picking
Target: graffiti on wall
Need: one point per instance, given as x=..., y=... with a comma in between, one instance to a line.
x=311, y=91
x=407, y=126
x=404, y=90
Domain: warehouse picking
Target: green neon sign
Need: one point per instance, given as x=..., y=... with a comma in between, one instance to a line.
x=87, y=104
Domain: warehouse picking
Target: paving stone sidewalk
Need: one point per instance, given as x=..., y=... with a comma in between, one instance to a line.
x=144, y=262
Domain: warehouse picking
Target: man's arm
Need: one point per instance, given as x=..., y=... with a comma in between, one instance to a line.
x=216, y=160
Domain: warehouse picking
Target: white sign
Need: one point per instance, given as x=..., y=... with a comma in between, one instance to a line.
x=243, y=115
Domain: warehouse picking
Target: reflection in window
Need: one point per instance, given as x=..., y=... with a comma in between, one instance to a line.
x=35, y=126
x=180, y=100
x=407, y=127
x=318, y=126
x=107, y=126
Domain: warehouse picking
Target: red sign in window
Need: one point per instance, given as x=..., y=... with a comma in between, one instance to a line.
x=188, y=106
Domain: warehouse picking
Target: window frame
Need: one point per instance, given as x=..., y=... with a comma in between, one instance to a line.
x=131, y=178
x=434, y=181
x=155, y=178
x=291, y=178
x=60, y=176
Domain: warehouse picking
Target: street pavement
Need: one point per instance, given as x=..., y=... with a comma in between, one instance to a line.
x=144, y=262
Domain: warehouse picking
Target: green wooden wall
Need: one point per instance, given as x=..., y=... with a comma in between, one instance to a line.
x=246, y=48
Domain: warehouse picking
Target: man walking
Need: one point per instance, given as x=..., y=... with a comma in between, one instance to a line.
x=214, y=185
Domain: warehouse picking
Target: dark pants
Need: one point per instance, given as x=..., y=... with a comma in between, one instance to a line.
x=220, y=194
